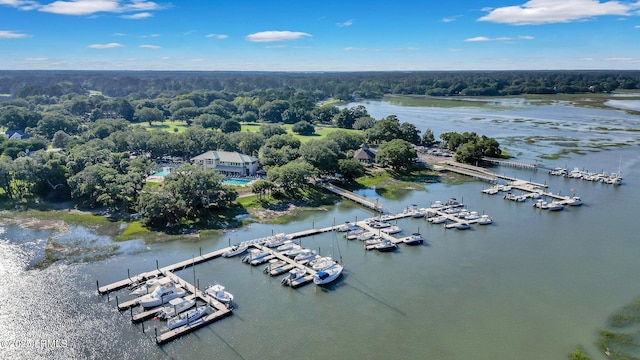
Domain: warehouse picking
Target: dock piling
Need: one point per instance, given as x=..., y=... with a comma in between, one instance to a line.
x=157, y=268
x=117, y=302
x=98, y=286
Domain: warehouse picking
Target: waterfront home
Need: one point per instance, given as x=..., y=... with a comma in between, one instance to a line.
x=228, y=163
x=365, y=155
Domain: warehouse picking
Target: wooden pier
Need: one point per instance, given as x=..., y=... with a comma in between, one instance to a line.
x=373, y=205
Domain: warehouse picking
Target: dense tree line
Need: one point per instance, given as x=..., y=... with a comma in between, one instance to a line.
x=343, y=86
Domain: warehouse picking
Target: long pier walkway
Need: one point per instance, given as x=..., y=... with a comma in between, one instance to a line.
x=374, y=205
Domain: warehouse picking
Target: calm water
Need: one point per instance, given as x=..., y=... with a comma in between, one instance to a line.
x=534, y=285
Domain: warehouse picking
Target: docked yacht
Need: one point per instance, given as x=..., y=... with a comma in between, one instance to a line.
x=414, y=239
x=175, y=307
x=305, y=256
x=273, y=264
x=555, y=206
x=254, y=254
x=147, y=286
x=328, y=275
x=276, y=240
x=321, y=263
x=463, y=226
x=574, y=201
x=236, y=250
x=386, y=245
x=484, y=220
x=219, y=293
x=295, y=274
x=393, y=229
x=162, y=294
x=186, y=317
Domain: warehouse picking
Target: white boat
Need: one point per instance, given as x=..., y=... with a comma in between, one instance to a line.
x=254, y=254
x=305, y=256
x=462, y=226
x=292, y=252
x=276, y=240
x=393, y=229
x=286, y=245
x=186, y=317
x=366, y=236
x=175, y=307
x=380, y=224
x=161, y=295
x=541, y=204
x=574, y=201
x=147, y=287
x=347, y=227
x=373, y=241
x=219, y=293
x=321, y=263
x=386, y=245
x=294, y=275
x=453, y=202
x=473, y=215
x=236, y=250
x=491, y=191
x=438, y=219
x=485, y=219
x=555, y=206
x=327, y=275
x=273, y=264
x=414, y=239
x=437, y=204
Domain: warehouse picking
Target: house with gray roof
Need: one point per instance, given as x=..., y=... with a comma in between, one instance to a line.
x=228, y=163
x=365, y=155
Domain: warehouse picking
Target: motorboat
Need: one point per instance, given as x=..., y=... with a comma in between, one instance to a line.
x=386, y=245
x=186, y=317
x=366, y=236
x=473, y=215
x=414, y=239
x=438, y=219
x=380, y=224
x=219, y=293
x=373, y=241
x=254, y=254
x=162, y=294
x=305, y=256
x=462, y=213
x=347, y=226
x=491, y=191
x=293, y=251
x=321, y=262
x=175, y=307
x=146, y=287
x=541, y=204
x=574, y=201
x=273, y=264
x=327, y=275
x=393, y=229
x=484, y=220
x=555, y=206
x=437, y=204
x=276, y=240
x=236, y=250
x=453, y=202
x=295, y=274
x=288, y=244
x=462, y=226
x=352, y=235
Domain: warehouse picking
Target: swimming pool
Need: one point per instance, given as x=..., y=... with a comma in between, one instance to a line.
x=240, y=182
x=162, y=173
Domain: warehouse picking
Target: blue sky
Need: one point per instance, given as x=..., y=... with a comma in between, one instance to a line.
x=344, y=35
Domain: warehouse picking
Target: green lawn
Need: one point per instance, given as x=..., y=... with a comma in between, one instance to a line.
x=321, y=131
x=167, y=125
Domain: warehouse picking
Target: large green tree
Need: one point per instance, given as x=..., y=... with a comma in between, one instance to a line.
x=396, y=154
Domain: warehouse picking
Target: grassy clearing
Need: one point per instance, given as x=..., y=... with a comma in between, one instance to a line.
x=432, y=101
x=167, y=125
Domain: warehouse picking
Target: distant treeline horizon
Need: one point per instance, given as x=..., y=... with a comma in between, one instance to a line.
x=345, y=86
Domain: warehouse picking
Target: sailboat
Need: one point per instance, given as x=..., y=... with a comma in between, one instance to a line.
x=330, y=273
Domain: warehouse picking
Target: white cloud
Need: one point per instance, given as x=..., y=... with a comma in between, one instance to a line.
x=119, y=34
x=618, y=59
x=88, y=7
x=276, y=46
x=5, y=34
x=346, y=23
x=500, y=38
x=154, y=47
x=105, y=46
x=268, y=36
x=217, y=36
x=37, y=59
x=142, y=15
x=535, y=12
x=637, y=27
x=450, y=19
